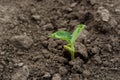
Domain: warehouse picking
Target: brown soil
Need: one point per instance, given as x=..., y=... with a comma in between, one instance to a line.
x=27, y=53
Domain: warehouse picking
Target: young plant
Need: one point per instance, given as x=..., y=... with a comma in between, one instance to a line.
x=69, y=38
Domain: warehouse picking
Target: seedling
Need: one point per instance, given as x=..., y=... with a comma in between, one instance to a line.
x=69, y=38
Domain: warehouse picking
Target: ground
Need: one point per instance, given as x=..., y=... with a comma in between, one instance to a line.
x=27, y=52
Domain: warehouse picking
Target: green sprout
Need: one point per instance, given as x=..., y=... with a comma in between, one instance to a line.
x=69, y=38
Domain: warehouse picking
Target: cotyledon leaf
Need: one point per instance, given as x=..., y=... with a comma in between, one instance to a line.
x=63, y=35
x=76, y=33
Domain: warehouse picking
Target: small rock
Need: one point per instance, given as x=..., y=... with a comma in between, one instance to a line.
x=1, y=67
x=22, y=41
x=52, y=44
x=81, y=49
x=117, y=9
x=36, y=17
x=95, y=50
x=83, y=35
x=98, y=59
x=108, y=47
x=62, y=70
x=22, y=17
x=113, y=22
x=118, y=32
x=56, y=77
x=2, y=53
x=74, y=77
x=48, y=26
x=20, y=64
x=74, y=22
x=46, y=76
x=73, y=4
x=60, y=59
x=86, y=73
x=21, y=74
x=105, y=14
x=93, y=2
x=46, y=53
x=106, y=63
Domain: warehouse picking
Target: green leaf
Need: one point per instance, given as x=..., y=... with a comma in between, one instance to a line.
x=76, y=33
x=63, y=35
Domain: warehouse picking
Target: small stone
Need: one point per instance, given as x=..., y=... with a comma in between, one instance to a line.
x=118, y=32
x=74, y=22
x=22, y=17
x=2, y=53
x=36, y=17
x=1, y=68
x=98, y=59
x=106, y=63
x=86, y=73
x=48, y=26
x=68, y=9
x=52, y=43
x=83, y=35
x=117, y=10
x=105, y=14
x=75, y=77
x=113, y=22
x=81, y=49
x=46, y=53
x=108, y=47
x=60, y=59
x=62, y=70
x=46, y=76
x=56, y=77
x=93, y=2
x=73, y=4
x=21, y=74
x=95, y=50
x=20, y=64
x=22, y=41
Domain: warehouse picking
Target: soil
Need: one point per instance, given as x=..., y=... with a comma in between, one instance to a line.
x=27, y=53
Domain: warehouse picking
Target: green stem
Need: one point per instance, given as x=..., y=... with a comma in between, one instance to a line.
x=72, y=55
x=70, y=48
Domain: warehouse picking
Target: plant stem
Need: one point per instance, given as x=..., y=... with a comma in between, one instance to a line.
x=70, y=48
x=72, y=55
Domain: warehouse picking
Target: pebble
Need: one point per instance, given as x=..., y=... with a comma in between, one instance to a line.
x=105, y=14
x=36, y=17
x=52, y=43
x=95, y=50
x=48, y=26
x=81, y=48
x=98, y=59
x=108, y=47
x=46, y=76
x=86, y=73
x=22, y=41
x=21, y=74
x=20, y=64
x=73, y=4
x=1, y=67
x=93, y=2
x=83, y=34
x=74, y=77
x=2, y=53
x=56, y=77
x=63, y=70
